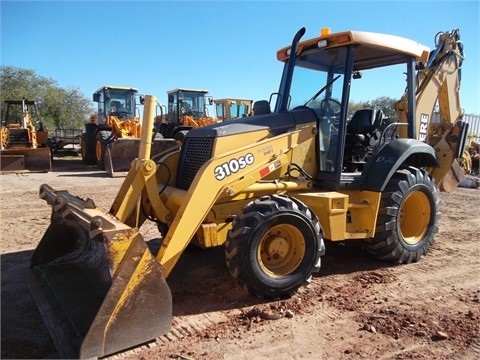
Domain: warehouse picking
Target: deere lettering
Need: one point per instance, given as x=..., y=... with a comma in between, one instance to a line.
x=233, y=166
x=422, y=134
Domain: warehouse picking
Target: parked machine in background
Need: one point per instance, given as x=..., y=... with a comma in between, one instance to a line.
x=23, y=138
x=270, y=188
x=186, y=109
x=112, y=136
x=231, y=109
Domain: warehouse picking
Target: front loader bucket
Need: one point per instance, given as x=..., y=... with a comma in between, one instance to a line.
x=120, y=154
x=95, y=282
x=18, y=159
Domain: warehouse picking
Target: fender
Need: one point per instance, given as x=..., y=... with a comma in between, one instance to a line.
x=392, y=156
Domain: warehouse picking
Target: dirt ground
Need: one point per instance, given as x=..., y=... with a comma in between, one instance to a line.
x=355, y=308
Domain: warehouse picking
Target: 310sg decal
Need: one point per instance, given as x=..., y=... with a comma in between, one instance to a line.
x=232, y=166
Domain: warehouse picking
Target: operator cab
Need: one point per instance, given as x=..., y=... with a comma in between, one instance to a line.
x=115, y=101
x=232, y=109
x=336, y=75
x=183, y=103
x=187, y=102
x=19, y=113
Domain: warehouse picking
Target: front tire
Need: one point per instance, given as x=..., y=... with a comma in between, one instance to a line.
x=102, y=140
x=87, y=145
x=407, y=219
x=274, y=246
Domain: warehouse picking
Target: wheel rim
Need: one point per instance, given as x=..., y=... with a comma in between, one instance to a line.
x=466, y=162
x=415, y=217
x=281, y=250
x=83, y=148
x=98, y=150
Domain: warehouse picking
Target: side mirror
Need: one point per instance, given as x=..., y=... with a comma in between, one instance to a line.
x=96, y=97
x=357, y=75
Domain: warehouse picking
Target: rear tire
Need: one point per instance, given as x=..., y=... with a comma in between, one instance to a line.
x=274, y=246
x=102, y=140
x=407, y=219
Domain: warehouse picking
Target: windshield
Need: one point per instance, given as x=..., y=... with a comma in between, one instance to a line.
x=317, y=83
x=184, y=102
x=318, y=77
x=117, y=102
x=231, y=110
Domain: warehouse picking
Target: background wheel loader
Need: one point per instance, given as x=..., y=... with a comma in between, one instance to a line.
x=271, y=188
x=23, y=138
x=112, y=136
x=187, y=109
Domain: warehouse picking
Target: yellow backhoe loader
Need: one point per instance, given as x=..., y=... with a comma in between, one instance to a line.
x=112, y=136
x=23, y=138
x=270, y=188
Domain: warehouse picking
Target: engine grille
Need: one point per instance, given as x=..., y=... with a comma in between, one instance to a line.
x=195, y=153
x=18, y=138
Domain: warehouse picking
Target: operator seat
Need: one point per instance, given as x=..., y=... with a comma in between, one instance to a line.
x=363, y=133
x=363, y=126
x=115, y=104
x=261, y=107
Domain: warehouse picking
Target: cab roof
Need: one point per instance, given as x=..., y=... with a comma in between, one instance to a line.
x=113, y=87
x=373, y=49
x=186, y=89
x=236, y=101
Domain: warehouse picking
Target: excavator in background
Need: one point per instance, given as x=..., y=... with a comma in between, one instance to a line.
x=270, y=188
x=23, y=138
x=112, y=136
x=232, y=109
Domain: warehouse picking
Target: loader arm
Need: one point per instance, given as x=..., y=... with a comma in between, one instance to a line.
x=206, y=189
x=140, y=185
x=129, y=128
x=438, y=83
x=141, y=178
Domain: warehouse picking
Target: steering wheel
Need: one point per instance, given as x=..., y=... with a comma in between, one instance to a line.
x=331, y=107
x=196, y=114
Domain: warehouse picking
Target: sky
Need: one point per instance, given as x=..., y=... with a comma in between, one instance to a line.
x=226, y=47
